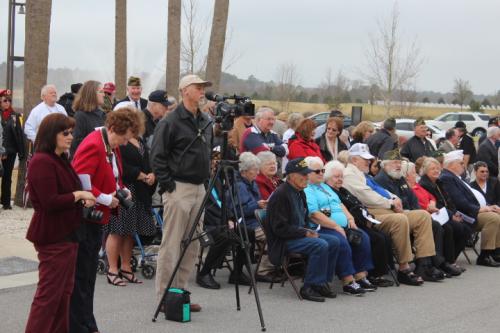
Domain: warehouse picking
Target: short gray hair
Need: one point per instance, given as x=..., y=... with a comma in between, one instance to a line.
x=45, y=89
x=313, y=159
x=343, y=157
x=261, y=111
x=266, y=156
x=331, y=166
x=492, y=131
x=406, y=167
x=248, y=161
x=294, y=119
x=428, y=161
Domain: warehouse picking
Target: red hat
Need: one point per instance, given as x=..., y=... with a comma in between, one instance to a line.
x=5, y=92
x=109, y=87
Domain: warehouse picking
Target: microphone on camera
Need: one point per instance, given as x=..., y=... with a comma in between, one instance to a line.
x=211, y=96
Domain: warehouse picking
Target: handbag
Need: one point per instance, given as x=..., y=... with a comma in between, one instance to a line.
x=353, y=236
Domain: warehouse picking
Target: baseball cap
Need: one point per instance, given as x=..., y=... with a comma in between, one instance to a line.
x=109, y=87
x=297, y=165
x=159, y=96
x=192, y=79
x=392, y=155
x=362, y=150
x=134, y=81
x=460, y=124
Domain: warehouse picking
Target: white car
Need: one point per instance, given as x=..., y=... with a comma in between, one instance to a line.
x=406, y=127
x=476, y=122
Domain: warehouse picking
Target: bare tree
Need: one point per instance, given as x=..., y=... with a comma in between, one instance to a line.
x=194, y=33
x=390, y=67
x=217, y=41
x=36, y=59
x=173, y=46
x=407, y=96
x=287, y=80
x=462, y=91
x=121, y=48
x=326, y=86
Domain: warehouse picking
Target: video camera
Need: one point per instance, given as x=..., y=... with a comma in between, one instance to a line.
x=226, y=112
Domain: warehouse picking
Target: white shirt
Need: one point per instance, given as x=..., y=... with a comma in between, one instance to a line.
x=36, y=116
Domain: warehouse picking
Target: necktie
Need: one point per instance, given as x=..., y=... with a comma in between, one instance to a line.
x=137, y=105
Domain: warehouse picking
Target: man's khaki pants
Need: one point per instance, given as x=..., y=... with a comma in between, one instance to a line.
x=489, y=224
x=399, y=226
x=265, y=266
x=180, y=209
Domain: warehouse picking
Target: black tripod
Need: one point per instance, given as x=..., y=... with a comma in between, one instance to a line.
x=225, y=172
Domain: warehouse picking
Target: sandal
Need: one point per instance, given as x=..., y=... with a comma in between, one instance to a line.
x=133, y=279
x=115, y=280
x=409, y=278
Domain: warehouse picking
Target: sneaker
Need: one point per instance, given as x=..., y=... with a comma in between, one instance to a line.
x=353, y=289
x=366, y=285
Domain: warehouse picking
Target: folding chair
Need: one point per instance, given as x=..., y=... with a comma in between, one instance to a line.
x=471, y=243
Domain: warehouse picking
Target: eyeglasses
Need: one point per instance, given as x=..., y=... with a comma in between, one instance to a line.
x=67, y=132
x=332, y=129
x=319, y=171
x=6, y=101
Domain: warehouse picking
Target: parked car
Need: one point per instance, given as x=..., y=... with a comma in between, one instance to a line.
x=476, y=122
x=318, y=118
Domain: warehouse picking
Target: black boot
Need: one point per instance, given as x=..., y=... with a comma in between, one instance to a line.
x=427, y=271
x=486, y=258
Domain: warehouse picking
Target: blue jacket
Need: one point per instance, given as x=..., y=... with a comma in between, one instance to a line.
x=461, y=196
x=249, y=195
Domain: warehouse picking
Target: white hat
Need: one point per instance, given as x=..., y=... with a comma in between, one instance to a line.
x=192, y=79
x=362, y=150
x=456, y=155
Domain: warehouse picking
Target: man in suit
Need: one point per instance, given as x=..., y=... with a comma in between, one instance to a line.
x=473, y=204
x=451, y=141
x=488, y=151
x=134, y=91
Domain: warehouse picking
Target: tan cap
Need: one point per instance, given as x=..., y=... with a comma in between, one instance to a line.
x=192, y=79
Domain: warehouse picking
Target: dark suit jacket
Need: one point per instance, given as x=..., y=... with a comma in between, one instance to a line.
x=400, y=188
x=492, y=194
x=458, y=193
x=144, y=102
x=488, y=153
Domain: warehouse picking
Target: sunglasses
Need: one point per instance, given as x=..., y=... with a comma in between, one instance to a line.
x=319, y=171
x=6, y=101
x=67, y=132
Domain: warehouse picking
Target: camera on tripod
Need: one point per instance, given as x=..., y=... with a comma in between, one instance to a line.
x=226, y=112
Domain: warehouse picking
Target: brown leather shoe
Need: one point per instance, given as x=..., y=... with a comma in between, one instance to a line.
x=195, y=307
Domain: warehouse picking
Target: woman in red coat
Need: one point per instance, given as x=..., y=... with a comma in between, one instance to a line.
x=98, y=159
x=267, y=180
x=302, y=144
x=55, y=192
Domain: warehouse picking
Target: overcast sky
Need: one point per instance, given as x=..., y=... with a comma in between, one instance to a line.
x=458, y=38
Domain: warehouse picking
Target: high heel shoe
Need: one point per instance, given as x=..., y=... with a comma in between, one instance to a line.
x=115, y=279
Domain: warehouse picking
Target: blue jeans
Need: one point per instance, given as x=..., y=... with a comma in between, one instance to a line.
x=321, y=255
x=351, y=259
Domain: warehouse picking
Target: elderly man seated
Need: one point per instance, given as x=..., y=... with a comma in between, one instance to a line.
x=286, y=230
x=472, y=203
x=388, y=209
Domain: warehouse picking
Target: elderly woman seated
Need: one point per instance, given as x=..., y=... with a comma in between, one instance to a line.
x=450, y=237
x=380, y=243
x=266, y=180
x=250, y=200
x=331, y=216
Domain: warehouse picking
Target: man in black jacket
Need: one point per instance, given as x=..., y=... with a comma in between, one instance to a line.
x=158, y=104
x=384, y=140
x=180, y=159
x=287, y=230
x=466, y=144
x=68, y=98
x=418, y=145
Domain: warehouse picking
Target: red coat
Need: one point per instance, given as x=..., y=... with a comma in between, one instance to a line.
x=91, y=159
x=51, y=183
x=298, y=147
x=423, y=196
x=266, y=185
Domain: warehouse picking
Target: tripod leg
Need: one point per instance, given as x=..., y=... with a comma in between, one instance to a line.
x=236, y=272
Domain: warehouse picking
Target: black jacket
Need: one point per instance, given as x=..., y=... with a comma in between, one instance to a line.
x=13, y=136
x=133, y=164
x=400, y=188
x=321, y=141
x=181, y=148
x=66, y=101
x=353, y=205
x=488, y=153
x=381, y=142
x=86, y=122
x=149, y=124
x=287, y=216
x=143, y=102
x=467, y=145
x=459, y=194
x=492, y=194
x=416, y=147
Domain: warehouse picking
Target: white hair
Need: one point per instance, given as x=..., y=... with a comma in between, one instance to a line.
x=294, y=119
x=428, y=161
x=248, y=161
x=310, y=160
x=45, y=89
x=492, y=131
x=262, y=111
x=406, y=167
x=266, y=156
x=331, y=166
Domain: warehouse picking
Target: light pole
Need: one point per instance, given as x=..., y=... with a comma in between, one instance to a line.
x=11, y=58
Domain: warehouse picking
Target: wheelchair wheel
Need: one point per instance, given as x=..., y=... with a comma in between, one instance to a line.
x=134, y=263
x=148, y=271
x=101, y=266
